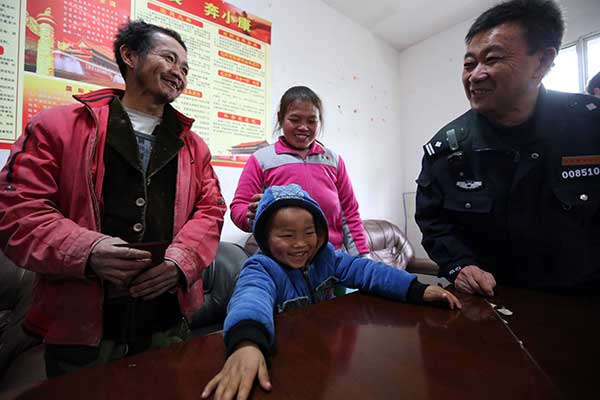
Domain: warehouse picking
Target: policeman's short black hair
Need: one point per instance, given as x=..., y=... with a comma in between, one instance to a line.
x=593, y=83
x=541, y=20
x=138, y=36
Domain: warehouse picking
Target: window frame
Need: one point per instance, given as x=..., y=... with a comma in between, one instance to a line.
x=584, y=73
x=581, y=49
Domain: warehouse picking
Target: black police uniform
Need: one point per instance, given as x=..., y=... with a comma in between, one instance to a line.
x=522, y=203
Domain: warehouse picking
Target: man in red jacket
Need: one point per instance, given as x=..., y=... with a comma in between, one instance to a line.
x=86, y=183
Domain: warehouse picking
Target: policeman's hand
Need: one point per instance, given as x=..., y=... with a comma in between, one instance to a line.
x=472, y=279
x=436, y=293
x=238, y=374
x=117, y=264
x=155, y=281
x=253, y=206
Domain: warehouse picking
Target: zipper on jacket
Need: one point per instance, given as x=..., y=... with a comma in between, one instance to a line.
x=310, y=289
x=91, y=184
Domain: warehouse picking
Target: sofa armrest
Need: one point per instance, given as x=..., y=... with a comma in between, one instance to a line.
x=25, y=371
x=422, y=266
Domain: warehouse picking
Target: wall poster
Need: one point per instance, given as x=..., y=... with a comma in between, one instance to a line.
x=53, y=49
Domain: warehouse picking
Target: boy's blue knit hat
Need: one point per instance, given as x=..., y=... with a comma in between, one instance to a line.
x=277, y=197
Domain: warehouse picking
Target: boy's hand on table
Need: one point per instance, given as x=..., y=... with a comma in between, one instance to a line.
x=436, y=293
x=238, y=374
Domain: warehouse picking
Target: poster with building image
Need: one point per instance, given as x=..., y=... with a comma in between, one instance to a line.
x=64, y=47
x=9, y=68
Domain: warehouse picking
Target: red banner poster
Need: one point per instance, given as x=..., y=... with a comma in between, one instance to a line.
x=53, y=49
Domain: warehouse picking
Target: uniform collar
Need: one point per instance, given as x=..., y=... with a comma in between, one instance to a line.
x=283, y=148
x=486, y=137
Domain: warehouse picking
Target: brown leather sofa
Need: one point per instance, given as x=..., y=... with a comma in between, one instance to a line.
x=22, y=355
x=15, y=298
x=389, y=244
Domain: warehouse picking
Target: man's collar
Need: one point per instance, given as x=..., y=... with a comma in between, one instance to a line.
x=485, y=137
x=103, y=97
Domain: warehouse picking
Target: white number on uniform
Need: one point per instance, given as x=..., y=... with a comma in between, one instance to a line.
x=581, y=172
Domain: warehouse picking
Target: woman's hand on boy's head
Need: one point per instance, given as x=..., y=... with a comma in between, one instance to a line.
x=436, y=293
x=238, y=374
x=253, y=206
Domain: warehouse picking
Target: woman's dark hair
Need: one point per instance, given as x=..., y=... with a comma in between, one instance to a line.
x=541, y=21
x=138, y=36
x=594, y=83
x=298, y=93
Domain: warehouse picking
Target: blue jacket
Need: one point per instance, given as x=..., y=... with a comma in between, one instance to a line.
x=266, y=287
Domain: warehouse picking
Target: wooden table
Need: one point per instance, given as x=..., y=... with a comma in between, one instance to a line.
x=562, y=334
x=364, y=347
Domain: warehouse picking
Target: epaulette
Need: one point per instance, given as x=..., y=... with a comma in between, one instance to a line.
x=585, y=104
x=448, y=138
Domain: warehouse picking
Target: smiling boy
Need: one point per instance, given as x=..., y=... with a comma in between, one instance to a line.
x=297, y=267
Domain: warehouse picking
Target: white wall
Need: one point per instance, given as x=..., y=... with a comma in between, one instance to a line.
x=432, y=93
x=357, y=77
x=582, y=17
x=3, y=157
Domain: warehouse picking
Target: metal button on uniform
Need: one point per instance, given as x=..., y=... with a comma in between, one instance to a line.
x=467, y=206
x=138, y=227
x=140, y=202
x=583, y=197
x=535, y=156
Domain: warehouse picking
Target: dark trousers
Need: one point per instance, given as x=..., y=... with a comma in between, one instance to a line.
x=130, y=327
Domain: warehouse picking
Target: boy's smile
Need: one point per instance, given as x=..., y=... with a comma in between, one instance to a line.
x=292, y=237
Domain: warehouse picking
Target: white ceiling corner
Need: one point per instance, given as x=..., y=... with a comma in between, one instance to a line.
x=403, y=23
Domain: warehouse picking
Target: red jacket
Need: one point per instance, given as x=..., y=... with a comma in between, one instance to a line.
x=51, y=207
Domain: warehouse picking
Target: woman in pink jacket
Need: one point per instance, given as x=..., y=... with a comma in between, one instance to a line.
x=297, y=157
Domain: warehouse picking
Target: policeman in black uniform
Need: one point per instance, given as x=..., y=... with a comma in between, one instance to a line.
x=509, y=192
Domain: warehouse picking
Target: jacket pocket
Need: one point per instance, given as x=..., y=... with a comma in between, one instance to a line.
x=478, y=203
x=578, y=195
x=581, y=204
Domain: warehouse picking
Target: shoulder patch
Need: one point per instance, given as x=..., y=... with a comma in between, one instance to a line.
x=585, y=104
x=265, y=156
x=445, y=141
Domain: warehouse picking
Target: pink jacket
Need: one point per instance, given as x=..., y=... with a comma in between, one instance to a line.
x=51, y=205
x=322, y=174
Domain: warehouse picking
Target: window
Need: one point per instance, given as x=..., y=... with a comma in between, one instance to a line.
x=564, y=75
x=575, y=65
x=593, y=57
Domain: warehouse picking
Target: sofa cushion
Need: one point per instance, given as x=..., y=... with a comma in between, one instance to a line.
x=219, y=281
x=15, y=298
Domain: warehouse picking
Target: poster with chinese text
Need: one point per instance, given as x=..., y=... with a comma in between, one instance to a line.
x=51, y=50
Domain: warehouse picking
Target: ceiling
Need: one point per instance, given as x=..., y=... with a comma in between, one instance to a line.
x=402, y=23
